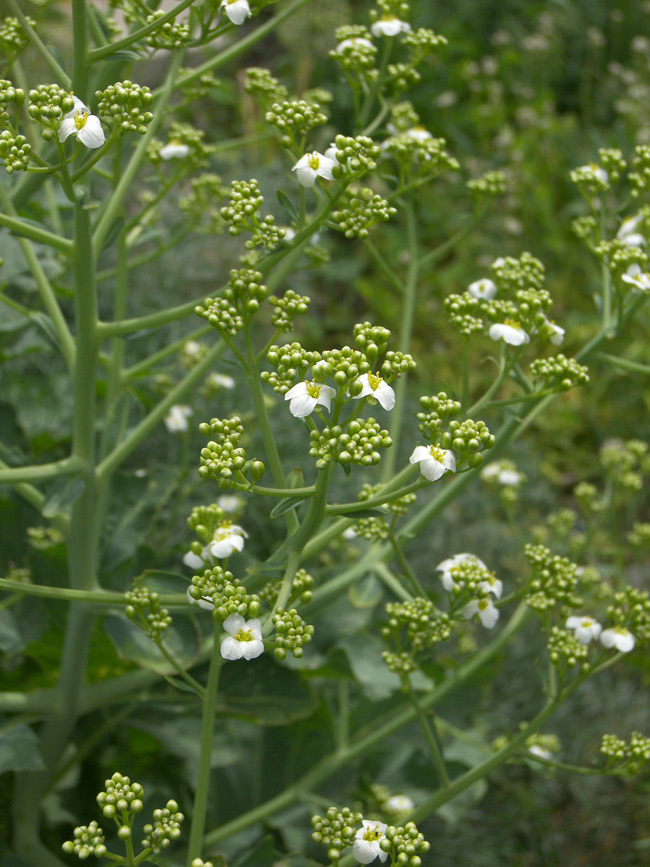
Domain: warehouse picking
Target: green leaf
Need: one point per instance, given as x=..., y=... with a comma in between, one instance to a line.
x=124, y=54
x=12, y=320
x=264, y=692
x=288, y=206
x=377, y=512
x=285, y=505
x=19, y=750
x=296, y=478
x=131, y=643
x=263, y=852
x=63, y=494
x=10, y=637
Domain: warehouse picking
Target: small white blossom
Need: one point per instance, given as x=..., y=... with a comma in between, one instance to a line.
x=484, y=289
x=306, y=396
x=236, y=10
x=350, y=533
x=367, y=843
x=586, y=628
x=192, y=348
x=540, y=752
x=221, y=380
x=176, y=418
x=312, y=166
x=399, y=804
x=618, y=637
x=434, y=462
x=447, y=565
x=174, y=150
x=230, y=503
x=85, y=126
x=491, y=584
x=418, y=133
x=389, y=25
x=629, y=226
x=634, y=240
x=511, y=332
x=228, y=538
x=354, y=42
x=636, y=278
x=375, y=387
x=244, y=640
x=487, y=613
x=509, y=478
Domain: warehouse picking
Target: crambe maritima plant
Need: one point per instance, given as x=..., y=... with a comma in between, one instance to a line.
x=266, y=369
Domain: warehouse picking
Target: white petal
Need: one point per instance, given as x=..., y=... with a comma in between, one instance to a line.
x=231, y=648
x=513, y=336
x=432, y=469
x=420, y=453
x=251, y=649
x=234, y=623
x=484, y=288
x=254, y=626
x=174, y=150
x=91, y=133
x=325, y=168
x=488, y=616
x=237, y=11
x=385, y=396
x=306, y=175
x=67, y=128
x=325, y=396
x=449, y=461
x=299, y=389
x=193, y=560
x=302, y=405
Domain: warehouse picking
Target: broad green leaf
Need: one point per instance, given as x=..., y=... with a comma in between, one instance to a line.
x=285, y=505
x=288, y=206
x=131, y=643
x=19, y=750
x=264, y=691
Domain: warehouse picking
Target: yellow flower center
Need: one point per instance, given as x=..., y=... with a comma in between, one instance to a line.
x=374, y=381
x=389, y=18
x=372, y=834
x=314, y=161
x=436, y=453
x=224, y=531
x=244, y=634
x=513, y=324
x=483, y=604
x=313, y=388
x=80, y=118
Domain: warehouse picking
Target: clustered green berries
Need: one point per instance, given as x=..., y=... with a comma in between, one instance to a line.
x=166, y=827
x=200, y=204
x=143, y=607
x=492, y=183
x=361, y=210
x=416, y=623
x=358, y=443
x=125, y=106
x=406, y=844
x=336, y=830
x=9, y=95
x=172, y=34
x=241, y=214
x=639, y=177
x=121, y=797
x=294, y=118
x=264, y=87
x=565, y=651
x=228, y=594
x=291, y=633
x=554, y=579
x=88, y=840
x=13, y=38
x=15, y=151
x=625, y=758
x=301, y=589
x=287, y=309
x=559, y=373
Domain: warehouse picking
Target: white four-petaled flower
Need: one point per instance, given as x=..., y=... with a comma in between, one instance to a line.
x=312, y=166
x=636, y=278
x=447, y=565
x=375, y=387
x=176, y=418
x=244, y=640
x=228, y=538
x=389, y=25
x=434, y=462
x=399, y=804
x=236, y=10
x=367, y=843
x=306, y=396
x=484, y=607
x=174, y=150
x=586, y=629
x=618, y=637
x=509, y=331
x=484, y=289
x=85, y=126
x=353, y=42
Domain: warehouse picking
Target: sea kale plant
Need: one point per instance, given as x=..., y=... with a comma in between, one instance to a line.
x=272, y=651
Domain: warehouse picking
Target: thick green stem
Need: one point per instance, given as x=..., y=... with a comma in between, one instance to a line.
x=40, y=472
x=205, y=754
x=80, y=61
x=35, y=233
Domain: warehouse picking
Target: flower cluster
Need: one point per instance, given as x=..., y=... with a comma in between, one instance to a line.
x=224, y=594
x=294, y=118
x=336, y=830
x=358, y=156
x=416, y=624
x=171, y=34
x=264, y=87
x=222, y=458
x=301, y=589
x=591, y=180
x=226, y=538
x=471, y=586
x=9, y=95
x=626, y=758
x=185, y=142
x=291, y=633
x=290, y=361
x=630, y=611
x=554, y=579
x=492, y=183
x=639, y=177
x=13, y=38
x=88, y=840
x=558, y=373
x=287, y=309
x=241, y=214
x=165, y=828
x=566, y=650
x=358, y=443
x=121, y=796
x=125, y=106
x=241, y=299
x=626, y=462
x=503, y=475
x=15, y=151
x=361, y=210
x=48, y=105
x=143, y=607
x=355, y=52
x=417, y=148
x=200, y=205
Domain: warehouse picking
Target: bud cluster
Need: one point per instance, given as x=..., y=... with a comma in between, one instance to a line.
x=241, y=299
x=88, y=840
x=291, y=361
x=44, y=537
x=121, y=796
x=241, y=214
x=631, y=609
x=199, y=87
x=623, y=758
x=143, y=607
x=186, y=136
x=13, y=38
x=428, y=152
x=468, y=439
x=554, y=580
x=355, y=52
x=9, y=95
x=358, y=444
x=639, y=535
x=360, y=211
x=511, y=274
x=199, y=205
x=372, y=528
x=294, y=119
x=566, y=651
x=336, y=830
x=204, y=520
x=591, y=180
x=626, y=462
x=619, y=256
x=263, y=87
x=125, y=106
x=172, y=34
x=357, y=155
x=288, y=308
x=222, y=457
x=559, y=373
x=398, y=507
x=165, y=828
x=492, y=183
x=437, y=409
x=416, y=622
x=640, y=176
x=48, y=104
x=406, y=844
x=14, y=151
x=301, y=589
x=291, y=633
x=462, y=311
x=227, y=594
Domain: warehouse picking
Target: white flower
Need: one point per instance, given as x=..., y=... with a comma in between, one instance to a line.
x=540, y=752
x=509, y=477
x=192, y=347
x=244, y=639
x=586, y=628
x=354, y=42
x=636, y=278
x=194, y=561
x=176, y=418
x=375, y=387
x=618, y=637
x=312, y=166
x=487, y=613
x=418, y=133
x=389, y=25
x=557, y=337
x=228, y=538
x=485, y=289
x=491, y=584
x=509, y=331
x=447, y=565
x=367, y=843
x=595, y=171
x=634, y=239
x=399, y=804
x=434, y=462
x=629, y=226
x=230, y=503
x=221, y=380
x=306, y=396
x=350, y=533
x=86, y=126
x=174, y=150
x=237, y=10
x=491, y=471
